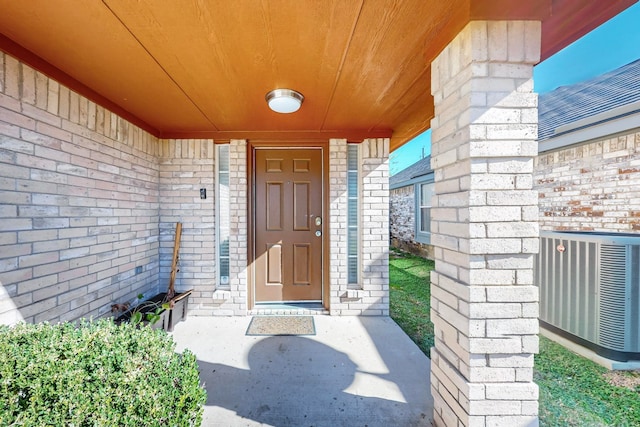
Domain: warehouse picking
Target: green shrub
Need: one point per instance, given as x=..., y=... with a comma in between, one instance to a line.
x=96, y=374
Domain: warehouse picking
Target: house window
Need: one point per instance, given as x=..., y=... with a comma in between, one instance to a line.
x=352, y=214
x=423, y=212
x=222, y=214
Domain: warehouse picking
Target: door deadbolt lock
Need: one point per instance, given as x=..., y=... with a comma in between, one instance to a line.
x=318, y=221
x=318, y=233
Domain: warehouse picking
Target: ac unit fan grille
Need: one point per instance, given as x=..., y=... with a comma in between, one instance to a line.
x=612, y=296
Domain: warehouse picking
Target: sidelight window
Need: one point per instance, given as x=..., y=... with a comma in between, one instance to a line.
x=423, y=212
x=353, y=213
x=222, y=214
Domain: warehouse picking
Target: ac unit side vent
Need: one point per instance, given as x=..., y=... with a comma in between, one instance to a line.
x=612, y=295
x=633, y=298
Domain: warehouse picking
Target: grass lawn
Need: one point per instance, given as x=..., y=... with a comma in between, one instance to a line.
x=573, y=390
x=409, y=299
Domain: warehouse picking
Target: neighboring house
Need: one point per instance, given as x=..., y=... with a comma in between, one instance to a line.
x=588, y=171
x=587, y=175
x=410, y=208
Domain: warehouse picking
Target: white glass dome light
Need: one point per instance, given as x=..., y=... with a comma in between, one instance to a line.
x=284, y=100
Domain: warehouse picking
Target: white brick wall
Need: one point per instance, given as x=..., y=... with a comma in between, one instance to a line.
x=375, y=227
x=238, y=239
x=338, y=225
x=594, y=186
x=484, y=226
x=186, y=166
x=78, y=202
x=86, y=198
x=371, y=297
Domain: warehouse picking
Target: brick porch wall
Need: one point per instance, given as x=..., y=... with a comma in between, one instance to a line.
x=235, y=300
x=375, y=227
x=78, y=202
x=339, y=287
x=591, y=187
x=186, y=166
x=371, y=295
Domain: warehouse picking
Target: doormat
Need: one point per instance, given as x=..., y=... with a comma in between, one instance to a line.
x=281, y=325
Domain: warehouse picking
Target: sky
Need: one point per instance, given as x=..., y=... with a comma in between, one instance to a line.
x=610, y=46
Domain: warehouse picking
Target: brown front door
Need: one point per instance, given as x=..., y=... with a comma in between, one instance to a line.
x=288, y=225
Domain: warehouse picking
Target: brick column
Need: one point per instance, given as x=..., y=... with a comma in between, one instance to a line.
x=338, y=224
x=375, y=227
x=484, y=227
x=370, y=296
x=238, y=226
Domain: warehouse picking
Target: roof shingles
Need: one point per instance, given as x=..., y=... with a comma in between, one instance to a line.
x=419, y=168
x=568, y=104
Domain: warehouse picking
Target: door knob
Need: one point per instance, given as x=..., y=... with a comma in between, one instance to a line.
x=318, y=233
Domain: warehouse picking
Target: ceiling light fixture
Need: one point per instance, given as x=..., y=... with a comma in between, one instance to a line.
x=284, y=100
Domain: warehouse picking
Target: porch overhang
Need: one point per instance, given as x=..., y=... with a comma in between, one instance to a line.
x=190, y=69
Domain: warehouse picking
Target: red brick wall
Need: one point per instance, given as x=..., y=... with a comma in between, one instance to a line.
x=591, y=187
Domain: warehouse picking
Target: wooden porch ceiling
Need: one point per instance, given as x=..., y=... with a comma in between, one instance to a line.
x=201, y=68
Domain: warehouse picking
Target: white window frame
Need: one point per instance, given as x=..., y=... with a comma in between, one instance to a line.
x=354, y=230
x=222, y=282
x=422, y=236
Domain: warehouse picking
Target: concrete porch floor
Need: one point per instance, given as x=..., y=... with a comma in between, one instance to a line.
x=356, y=371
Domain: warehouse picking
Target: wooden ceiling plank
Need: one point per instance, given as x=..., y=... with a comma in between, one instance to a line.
x=391, y=48
x=183, y=37
x=530, y=10
x=159, y=64
x=343, y=58
x=418, y=93
x=88, y=44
